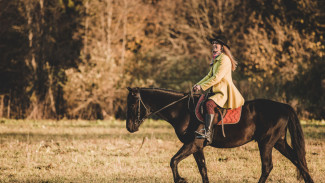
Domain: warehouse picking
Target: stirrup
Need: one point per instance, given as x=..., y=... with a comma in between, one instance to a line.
x=200, y=134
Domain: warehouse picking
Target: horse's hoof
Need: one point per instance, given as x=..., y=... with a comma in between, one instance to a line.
x=181, y=180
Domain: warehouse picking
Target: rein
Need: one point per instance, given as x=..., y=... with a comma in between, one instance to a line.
x=148, y=113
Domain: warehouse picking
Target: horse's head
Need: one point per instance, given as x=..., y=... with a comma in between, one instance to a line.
x=136, y=111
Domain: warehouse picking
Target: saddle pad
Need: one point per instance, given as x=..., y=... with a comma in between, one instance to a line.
x=232, y=115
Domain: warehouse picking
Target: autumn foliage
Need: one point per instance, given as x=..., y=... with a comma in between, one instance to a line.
x=74, y=58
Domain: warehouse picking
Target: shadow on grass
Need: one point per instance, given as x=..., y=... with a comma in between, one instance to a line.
x=31, y=137
x=315, y=135
x=315, y=132
x=125, y=179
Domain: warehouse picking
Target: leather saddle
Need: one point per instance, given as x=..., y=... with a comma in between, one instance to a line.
x=199, y=109
x=226, y=116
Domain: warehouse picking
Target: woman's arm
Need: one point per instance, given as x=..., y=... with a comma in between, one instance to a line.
x=205, y=78
x=225, y=66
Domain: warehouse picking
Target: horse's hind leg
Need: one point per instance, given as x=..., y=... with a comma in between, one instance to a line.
x=283, y=147
x=266, y=158
x=185, y=151
x=200, y=160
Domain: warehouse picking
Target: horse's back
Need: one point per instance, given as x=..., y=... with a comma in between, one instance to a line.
x=265, y=109
x=257, y=118
x=267, y=115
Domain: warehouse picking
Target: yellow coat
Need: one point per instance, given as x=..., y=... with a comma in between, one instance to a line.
x=226, y=95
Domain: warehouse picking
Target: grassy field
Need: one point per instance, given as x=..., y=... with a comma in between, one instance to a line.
x=103, y=151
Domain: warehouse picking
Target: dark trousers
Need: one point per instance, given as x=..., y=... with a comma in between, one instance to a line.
x=210, y=106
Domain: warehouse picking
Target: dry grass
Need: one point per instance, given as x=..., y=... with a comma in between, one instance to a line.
x=103, y=151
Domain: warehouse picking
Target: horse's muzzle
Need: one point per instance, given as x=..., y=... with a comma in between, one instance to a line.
x=131, y=127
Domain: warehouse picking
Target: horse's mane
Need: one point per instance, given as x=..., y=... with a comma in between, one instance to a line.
x=164, y=91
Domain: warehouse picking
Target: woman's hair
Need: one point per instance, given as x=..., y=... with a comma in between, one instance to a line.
x=233, y=61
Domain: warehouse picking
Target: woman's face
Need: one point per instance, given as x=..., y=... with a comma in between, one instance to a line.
x=216, y=48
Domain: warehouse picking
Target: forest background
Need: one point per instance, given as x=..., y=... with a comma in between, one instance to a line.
x=75, y=58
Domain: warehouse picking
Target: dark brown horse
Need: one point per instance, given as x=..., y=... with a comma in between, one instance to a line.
x=262, y=120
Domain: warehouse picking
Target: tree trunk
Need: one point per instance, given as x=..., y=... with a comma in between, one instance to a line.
x=8, y=108
x=1, y=105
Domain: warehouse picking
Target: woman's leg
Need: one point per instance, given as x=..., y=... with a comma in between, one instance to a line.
x=209, y=111
x=210, y=106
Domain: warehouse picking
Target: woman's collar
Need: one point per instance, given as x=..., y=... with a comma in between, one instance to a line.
x=218, y=57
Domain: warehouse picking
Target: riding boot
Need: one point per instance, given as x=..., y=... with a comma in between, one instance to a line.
x=208, y=130
x=209, y=127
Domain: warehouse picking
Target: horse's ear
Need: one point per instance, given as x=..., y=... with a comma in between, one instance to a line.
x=130, y=89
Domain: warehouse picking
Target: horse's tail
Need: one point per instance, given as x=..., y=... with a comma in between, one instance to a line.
x=297, y=139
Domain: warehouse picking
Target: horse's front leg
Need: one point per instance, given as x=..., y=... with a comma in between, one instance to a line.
x=184, y=152
x=200, y=160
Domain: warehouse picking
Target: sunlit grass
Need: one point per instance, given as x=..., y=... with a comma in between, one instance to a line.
x=104, y=151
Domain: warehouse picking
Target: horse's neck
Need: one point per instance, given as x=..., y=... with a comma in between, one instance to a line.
x=175, y=114
x=156, y=99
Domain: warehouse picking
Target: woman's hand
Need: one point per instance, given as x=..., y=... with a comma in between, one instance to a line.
x=196, y=88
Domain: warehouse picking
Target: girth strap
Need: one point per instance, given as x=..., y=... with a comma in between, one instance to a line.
x=222, y=125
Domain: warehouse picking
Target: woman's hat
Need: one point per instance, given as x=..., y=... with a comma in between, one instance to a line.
x=219, y=40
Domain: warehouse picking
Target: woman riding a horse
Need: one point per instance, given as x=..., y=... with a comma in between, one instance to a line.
x=219, y=79
x=264, y=121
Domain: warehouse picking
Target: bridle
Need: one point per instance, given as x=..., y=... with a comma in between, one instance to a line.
x=149, y=113
x=139, y=121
